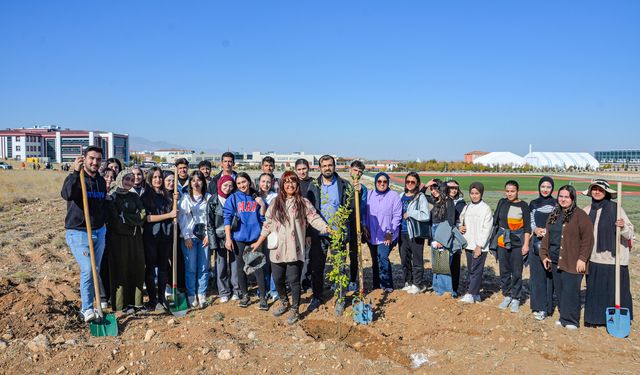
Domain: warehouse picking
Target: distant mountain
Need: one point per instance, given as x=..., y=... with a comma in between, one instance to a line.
x=143, y=144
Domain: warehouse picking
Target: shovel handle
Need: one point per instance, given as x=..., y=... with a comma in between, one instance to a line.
x=358, y=234
x=618, y=216
x=92, y=254
x=174, y=260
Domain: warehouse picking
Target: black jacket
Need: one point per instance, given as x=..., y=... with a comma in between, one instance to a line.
x=216, y=221
x=96, y=195
x=157, y=204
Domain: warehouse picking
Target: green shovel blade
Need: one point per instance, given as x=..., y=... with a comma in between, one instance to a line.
x=179, y=306
x=106, y=326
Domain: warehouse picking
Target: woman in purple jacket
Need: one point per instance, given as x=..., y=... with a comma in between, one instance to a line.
x=382, y=220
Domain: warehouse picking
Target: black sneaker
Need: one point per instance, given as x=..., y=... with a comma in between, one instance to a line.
x=293, y=317
x=244, y=301
x=284, y=307
x=315, y=303
x=263, y=304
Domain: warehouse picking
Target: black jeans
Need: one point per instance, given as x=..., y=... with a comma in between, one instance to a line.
x=290, y=271
x=319, y=247
x=156, y=252
x=455, y=271
x=569, y=297
x=475, y=267
x=241, y=247
x=510, y=262
x=540, y=285
x=412, y=259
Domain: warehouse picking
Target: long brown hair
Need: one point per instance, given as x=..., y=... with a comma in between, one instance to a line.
x=280, y=203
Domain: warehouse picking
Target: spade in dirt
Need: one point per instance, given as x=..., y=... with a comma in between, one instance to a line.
x=362, y=312
x=104, y=324
x=618, y=319
x=178, y=306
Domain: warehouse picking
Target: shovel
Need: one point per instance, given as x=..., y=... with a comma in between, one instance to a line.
x=362, y=312
x=179, y=306
x=103, y=325
x=618, y=318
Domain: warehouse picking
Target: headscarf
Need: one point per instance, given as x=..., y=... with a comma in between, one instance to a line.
x=478, y=186
x=606, y=224
x=382, y=174
x=540, y=216
x=119, y=187
x=545, y=179
x=221, y=181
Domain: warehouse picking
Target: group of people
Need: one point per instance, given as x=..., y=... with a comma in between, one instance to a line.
x=278, y=231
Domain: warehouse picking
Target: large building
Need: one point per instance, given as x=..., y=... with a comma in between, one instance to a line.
x=500, y=159
x=562, y=160
x=629, y=157
x=53, y=144
x=469, y=157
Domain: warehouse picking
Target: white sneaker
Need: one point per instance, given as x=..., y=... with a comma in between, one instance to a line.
x=88, y=315
x=224, y=299
x=467, y=298
x=406, y=286
x=202, y=299
x=558, y=323
x=235, y=297
x=192, y=301
x=539, y=315
x=571, y=327
x=104, y=305
x=413, y=289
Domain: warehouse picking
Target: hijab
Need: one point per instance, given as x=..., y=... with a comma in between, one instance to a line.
x=221, y=181
x=382, y=174
x=119, y=187
x=606, y=224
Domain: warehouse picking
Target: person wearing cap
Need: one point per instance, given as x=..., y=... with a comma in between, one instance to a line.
x=226, y=275
x=288, y=217
x=541, y=280
x=565, y=251
x=477, y=221
x=601, y=272
x=382, y=219
x=248, y=208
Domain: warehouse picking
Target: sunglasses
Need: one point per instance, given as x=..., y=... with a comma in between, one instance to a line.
x=411, y=182
x=382, y=181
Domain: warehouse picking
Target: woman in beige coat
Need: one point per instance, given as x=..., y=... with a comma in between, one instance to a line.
x=287, y=218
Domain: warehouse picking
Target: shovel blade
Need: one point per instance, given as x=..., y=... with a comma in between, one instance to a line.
x=618, y=322
x=105, y=326
x=180, y=305
x=362, y=313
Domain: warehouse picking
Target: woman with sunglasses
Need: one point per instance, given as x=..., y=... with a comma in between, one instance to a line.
x=382, y=219
x=415, y=208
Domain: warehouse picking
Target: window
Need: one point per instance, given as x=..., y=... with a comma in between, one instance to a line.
x=17, y=138
x=17, y=148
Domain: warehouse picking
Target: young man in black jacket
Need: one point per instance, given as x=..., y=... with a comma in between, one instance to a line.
x=327, y=194
x=227, y=162
x=75, y=225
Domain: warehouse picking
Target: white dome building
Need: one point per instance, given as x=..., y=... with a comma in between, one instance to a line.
x=494, y=159
x=562, y=160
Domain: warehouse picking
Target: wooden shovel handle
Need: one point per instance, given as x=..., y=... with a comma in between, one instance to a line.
x=87, y=220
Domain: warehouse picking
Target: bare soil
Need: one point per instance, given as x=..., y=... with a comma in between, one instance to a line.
x=39, y=295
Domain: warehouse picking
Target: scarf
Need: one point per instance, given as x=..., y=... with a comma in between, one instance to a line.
x=606, y=225
x=221, y=181
x=119, y=187
x=382, y=174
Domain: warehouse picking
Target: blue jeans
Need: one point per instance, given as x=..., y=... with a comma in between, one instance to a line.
x=196, y=267
x=382, y=274
x=78, y=242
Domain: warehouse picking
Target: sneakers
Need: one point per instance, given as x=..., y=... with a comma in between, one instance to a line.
x=388, y=290
x=235, y=297
x=128, y=310
x=414, y=289
x=571, y=327
x=224, y=299
x=284, y=307
x=477, y=298
x=406, y=286
x=244, y=301
x=293, y=317
x=467, y=298
x=558, y=323
x=505, y=303
x=539, y=315
x=104, y=304
x=315, y=303
x=264, y=306
x=192, y=301
x=88, y=315
x=352, y=287
x=274, y=297
x=202, y=299
x=515, y=306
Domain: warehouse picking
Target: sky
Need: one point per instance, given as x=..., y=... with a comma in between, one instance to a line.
x=375, y=79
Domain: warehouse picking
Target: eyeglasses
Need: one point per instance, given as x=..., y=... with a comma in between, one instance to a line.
x=411, y=182
x=382, y=181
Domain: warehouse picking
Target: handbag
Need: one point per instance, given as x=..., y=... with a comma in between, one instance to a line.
x=200, y=231
x=440, y=261
x=272, y=241
x=420, y=229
